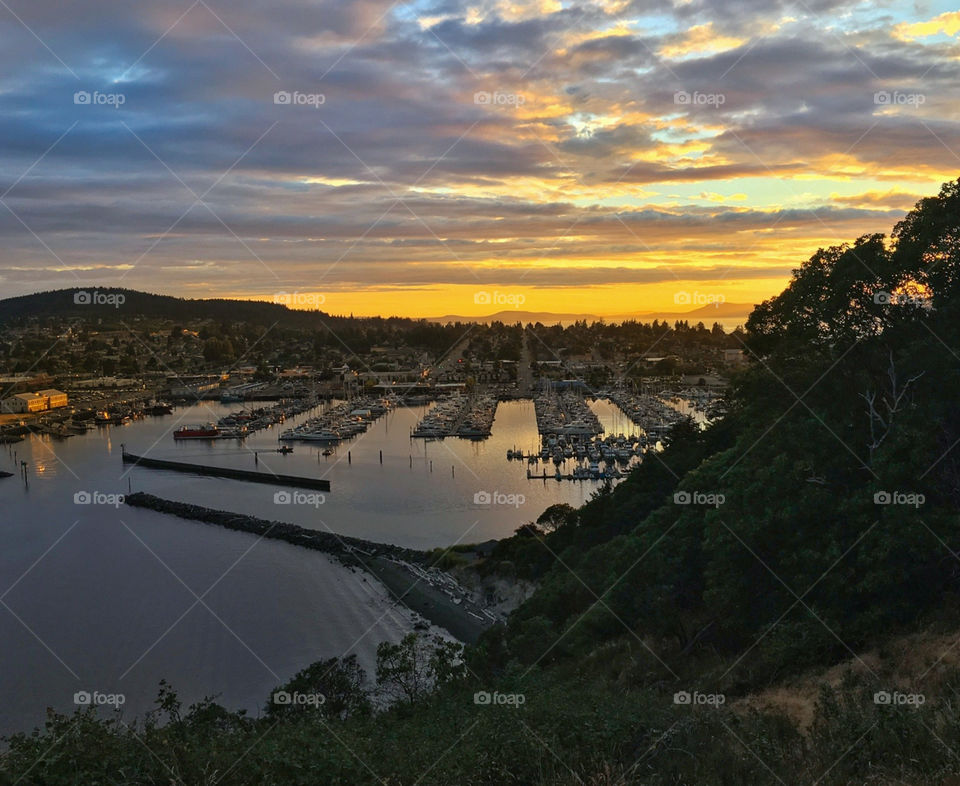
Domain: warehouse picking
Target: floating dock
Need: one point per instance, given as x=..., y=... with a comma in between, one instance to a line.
x=227, y=472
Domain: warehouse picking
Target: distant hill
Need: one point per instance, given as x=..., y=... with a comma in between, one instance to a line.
x=512, y=316
x=728, y=314
x=104, y=302
x=722, y=312
x=115, y=302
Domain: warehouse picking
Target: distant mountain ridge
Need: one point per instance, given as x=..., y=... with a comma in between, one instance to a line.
x=113, y=301
x=725, y=313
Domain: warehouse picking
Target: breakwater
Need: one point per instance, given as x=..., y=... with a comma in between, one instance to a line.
x=397, y=568
x=327, y=542
x=227, y=472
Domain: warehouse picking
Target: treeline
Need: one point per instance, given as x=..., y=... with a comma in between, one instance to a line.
x=828, y=496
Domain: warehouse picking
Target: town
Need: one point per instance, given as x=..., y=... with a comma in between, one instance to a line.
x=62, y=374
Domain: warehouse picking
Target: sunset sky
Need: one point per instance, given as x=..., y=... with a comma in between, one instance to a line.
x=413, y=158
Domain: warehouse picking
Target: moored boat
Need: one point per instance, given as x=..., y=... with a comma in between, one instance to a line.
x=208, y=431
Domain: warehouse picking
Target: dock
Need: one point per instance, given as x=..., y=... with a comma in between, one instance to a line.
x=250, y=476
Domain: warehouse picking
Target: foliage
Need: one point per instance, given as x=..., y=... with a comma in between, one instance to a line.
x=408, y=671
x=339, y=684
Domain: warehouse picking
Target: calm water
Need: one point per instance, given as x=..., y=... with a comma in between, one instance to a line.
x=97, y=597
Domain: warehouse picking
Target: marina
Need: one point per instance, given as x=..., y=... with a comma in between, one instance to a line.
x=242, y=423
x=469, y=417
x=413, y=499
x=578, y=444
x=565, y=414
x=390, y=488
x=341, y=421
x=656, y=413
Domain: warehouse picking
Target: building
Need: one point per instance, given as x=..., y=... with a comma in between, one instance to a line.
x=23, y=383
x=55, y=398
x=106, y=382
x=734, y=357
x=23, y=403
x=194, y=387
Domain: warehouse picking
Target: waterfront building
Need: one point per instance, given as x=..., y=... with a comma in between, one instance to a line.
x=23, y=403
x=55, y=398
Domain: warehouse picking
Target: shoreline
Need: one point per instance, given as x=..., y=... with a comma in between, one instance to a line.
x=383, y=561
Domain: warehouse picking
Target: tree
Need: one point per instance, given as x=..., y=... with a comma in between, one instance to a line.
x=556, y=516
x=409, y=670
x=927, y=248
x=334, y=688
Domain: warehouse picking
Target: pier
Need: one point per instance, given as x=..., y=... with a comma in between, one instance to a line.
x=250, y=476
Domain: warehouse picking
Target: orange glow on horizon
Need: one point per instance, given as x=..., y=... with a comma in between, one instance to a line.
x=604, y=301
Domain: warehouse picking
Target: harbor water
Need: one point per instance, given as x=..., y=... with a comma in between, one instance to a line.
x=100, y=597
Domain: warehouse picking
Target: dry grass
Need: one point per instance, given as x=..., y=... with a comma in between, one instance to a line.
x=915, y=662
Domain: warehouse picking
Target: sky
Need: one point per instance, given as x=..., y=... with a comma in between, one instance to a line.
x=440, y=157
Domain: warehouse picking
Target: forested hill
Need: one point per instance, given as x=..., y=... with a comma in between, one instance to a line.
x=117, y=306
x=64, y=302
x=85, y=301
x=830, y=494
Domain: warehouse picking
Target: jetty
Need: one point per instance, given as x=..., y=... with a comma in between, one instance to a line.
x=402, y=571
x=251, y=476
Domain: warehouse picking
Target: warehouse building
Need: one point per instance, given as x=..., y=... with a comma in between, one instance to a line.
x=27, y=403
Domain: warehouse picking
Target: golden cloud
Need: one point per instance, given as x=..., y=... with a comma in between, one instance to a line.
x=947, y=23
x=700, y=40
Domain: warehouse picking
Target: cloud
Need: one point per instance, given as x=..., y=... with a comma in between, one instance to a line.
x=947, y=23
x=403, y=174
x=699, y=40
x=893, y=199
